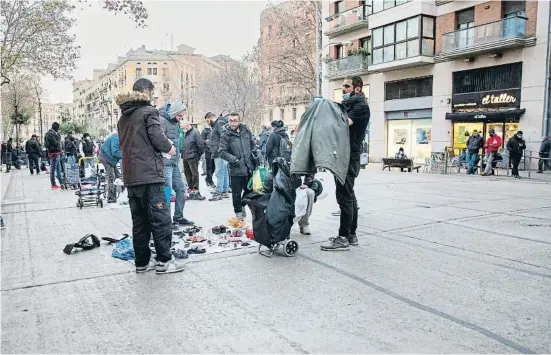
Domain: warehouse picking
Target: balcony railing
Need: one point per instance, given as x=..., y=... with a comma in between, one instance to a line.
x=353, y=64
x=493, y=35
x=348, y=20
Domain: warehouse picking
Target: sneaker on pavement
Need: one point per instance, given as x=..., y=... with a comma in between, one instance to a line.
x=169, y=267
x=199, y=197
x=338, y=243
x=183, y=222
x=353, y=239
x=55, y=187
x=305, y=230
x=225, y=195
x=150, y=266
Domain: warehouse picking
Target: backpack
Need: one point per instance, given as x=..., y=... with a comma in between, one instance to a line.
x=285, y=148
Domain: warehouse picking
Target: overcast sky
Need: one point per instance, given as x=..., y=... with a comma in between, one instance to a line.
x=212, y=27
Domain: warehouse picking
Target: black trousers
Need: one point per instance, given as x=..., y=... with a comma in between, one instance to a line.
x=191, y=171
x=346, y=198
x=515, y=161
x=543, y=163
x=210, y=169
x=8, y=161
x=238, y=190
x=150, y=216
x=33, y=163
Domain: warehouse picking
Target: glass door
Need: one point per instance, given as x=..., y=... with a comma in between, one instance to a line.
x=465, y=30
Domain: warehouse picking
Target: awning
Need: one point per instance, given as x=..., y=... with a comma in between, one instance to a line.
x=487, y=116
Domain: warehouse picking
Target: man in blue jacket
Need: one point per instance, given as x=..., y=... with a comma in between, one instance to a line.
x=110, y=155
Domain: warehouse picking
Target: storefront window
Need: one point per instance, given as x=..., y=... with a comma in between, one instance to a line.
x=462, y=131
x=510, y=130
x=413, y=135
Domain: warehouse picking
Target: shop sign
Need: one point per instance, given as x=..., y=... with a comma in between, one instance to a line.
x=487, y=99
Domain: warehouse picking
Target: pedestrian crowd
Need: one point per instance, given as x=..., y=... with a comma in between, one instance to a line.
x=151, y=145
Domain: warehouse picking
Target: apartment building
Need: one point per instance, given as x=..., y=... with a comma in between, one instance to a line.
x=287, y=47
x=434, y=71
x=58, y=112
x=175, y=75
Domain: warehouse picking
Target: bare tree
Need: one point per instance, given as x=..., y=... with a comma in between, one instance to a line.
x=17, y=103
x=236, y=87
x=36, y=34
x=288, y=51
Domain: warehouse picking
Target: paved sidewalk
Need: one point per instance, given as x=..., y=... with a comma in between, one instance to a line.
x=446, y=264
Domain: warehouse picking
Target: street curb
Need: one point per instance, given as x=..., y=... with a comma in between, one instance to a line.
x=6, y=179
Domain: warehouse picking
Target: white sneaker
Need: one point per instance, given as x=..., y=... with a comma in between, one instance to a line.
x=169, y=267
x=305, y=230
x=150, y=266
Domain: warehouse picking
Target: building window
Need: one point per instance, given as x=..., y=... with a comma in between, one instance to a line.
x=339, y=51
x=148, y=71
x=165, y=72
x=282, y=114
x=339, y=7
x=513, y=8
x=271, y=115
x=138, y=73
x=294, y=113
x=155, y=70
x=499, y=77
x=381, y=5
x=404, y=39
x=410, y=88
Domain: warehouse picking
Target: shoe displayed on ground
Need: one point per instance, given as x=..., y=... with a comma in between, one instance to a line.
x=55, y=187
x=338, y=243
x=148, y=267
x=199, y=197
x=169, y=267
x=353, y=239
x=111, y=201
x=183, y=222
x=338, y=213
x=305, y=230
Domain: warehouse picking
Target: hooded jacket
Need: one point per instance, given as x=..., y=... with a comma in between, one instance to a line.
x=71, y=146
x=110, y=150
x=516, y=145
x=263, y=140
x=32, y=148
x=322, y=140
x=194, y=146
x=141, y=140
x=171, y=128
x=216, y=133
x=236, y=147
x=545, y=148
x=53, y=142
x=273, y=143
x=493, y=144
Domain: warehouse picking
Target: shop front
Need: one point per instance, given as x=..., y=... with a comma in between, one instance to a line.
x=411, y=130
x=484, y=99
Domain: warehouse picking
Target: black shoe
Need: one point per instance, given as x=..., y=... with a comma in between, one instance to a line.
x=338, y=243
x=336, y=214
x=183, y=222
x=353, y=239
x=197, y=196
x=225, y=195
x=539, y=172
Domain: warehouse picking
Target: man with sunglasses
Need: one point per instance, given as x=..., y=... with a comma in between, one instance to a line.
x=355, y=103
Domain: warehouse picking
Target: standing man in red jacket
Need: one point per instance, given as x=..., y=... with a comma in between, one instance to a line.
x=492, y=146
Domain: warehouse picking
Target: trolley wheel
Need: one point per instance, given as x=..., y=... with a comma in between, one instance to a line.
x=80, y=203
x=290, y=247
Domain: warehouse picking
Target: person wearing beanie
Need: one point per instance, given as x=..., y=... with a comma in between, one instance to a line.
x=171, y=116
x=492, y=145
x=278, y=136
x=516, y=146
x=53, y=144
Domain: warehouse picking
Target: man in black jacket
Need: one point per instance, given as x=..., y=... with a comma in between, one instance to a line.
x=515, y=146
x=192, y=149
x=236, y=147
x=223, y=183
x=142, y=143
x=8, y=153
x=88, y=148
x=33, y=150
x=545, y=152
x=52, y=141
x=209, y=161
x=474, y=144
x=355, y=103
x=71, y=148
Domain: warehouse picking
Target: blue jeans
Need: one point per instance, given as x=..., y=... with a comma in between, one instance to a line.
x=472, y=160
x=55, y=168
x=173, y=179
x=223, y=184
x=71, y=159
